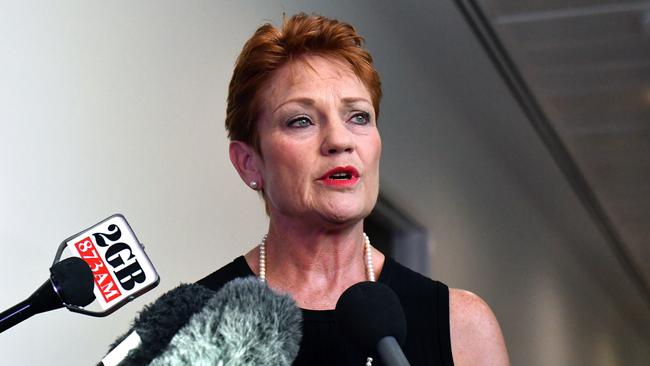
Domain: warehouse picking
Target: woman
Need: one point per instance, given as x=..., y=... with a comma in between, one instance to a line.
x=302, y=119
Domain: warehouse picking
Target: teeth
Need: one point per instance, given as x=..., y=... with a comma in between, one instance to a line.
x=340, y=176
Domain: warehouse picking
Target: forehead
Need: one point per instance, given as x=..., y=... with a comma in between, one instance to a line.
x=309, y=76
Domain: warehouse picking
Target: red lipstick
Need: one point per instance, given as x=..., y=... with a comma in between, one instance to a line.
x=341, y=176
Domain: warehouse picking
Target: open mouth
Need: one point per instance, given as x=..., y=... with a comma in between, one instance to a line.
x=340, y=176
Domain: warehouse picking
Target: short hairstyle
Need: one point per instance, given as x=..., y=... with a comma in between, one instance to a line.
x=270, y=48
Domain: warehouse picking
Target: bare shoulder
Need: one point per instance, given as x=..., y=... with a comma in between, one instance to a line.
x=476, y=337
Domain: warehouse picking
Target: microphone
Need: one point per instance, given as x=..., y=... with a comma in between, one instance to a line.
x=246, y=323
x=156, y=324
x=70, y=283
x=370, y=315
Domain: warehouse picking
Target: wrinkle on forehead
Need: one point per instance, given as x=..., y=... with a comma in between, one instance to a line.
x=293, y=71
x=302, y=71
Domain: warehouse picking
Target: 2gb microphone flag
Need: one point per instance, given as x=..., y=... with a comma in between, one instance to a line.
x=121, y=269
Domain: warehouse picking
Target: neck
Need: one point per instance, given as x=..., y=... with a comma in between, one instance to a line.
x=314, y=264
x=315, y=250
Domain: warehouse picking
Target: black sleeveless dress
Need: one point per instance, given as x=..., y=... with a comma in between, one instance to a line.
x=425, y=303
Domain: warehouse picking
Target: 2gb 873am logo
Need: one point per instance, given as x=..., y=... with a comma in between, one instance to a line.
x=103, y=279
x=114, y=265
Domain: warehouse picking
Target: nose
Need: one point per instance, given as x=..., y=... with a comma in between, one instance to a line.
x=336, y=138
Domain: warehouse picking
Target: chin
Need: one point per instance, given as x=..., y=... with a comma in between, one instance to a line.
x=345, y=215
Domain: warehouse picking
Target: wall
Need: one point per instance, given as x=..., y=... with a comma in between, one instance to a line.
x=118, y=107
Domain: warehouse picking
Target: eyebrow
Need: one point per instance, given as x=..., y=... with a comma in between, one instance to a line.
x=304, y=101
x=353, y=100
x=310, y=102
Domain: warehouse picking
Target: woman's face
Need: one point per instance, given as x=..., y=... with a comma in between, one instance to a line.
x=319, y=142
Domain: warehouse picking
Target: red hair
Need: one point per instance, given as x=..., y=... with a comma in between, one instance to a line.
x=270, y=48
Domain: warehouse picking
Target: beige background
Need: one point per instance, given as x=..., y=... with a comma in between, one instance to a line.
x=118, y=106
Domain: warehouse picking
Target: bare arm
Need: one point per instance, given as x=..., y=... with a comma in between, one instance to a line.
x=476, y=337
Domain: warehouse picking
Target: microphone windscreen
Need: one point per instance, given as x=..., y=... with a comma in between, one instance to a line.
x=159, y=321
x=369, y=311
x=74, y=281
x=246, y=323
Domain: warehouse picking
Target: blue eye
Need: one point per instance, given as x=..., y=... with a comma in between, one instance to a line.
x=361, y=118
x=300, y=122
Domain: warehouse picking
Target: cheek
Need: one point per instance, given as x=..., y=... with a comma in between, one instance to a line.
x=286, y=169
x=378, y=149
x=374, y=152
x=373, y=157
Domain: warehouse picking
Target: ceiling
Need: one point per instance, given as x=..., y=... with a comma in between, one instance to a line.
x=587, y=65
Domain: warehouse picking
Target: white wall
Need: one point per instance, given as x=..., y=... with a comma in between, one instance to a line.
x=118, y=107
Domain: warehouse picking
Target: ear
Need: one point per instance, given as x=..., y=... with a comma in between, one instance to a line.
x=247, y=162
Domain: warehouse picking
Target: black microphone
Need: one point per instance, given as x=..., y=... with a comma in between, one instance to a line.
x=246, y=323
x=157, y=323
x=71, y=282
x=370, y=315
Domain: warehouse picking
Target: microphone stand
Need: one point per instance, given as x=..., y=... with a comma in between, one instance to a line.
x=43, y=299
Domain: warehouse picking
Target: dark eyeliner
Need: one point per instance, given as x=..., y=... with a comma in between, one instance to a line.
x=291, y=122
x=365, y=115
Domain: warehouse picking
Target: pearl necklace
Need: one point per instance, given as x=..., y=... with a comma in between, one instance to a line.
x=367, y=251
